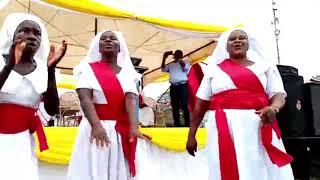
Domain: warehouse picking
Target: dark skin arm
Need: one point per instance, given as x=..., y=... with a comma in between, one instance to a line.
x=50, y=97
x=14, y=58
x=131, y=99
x=4, y=74
x=200, y=109
x=268, y=113
x=98, y=133
x=182, y=63
x=165, y=56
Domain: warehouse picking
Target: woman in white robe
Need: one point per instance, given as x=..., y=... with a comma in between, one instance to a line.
x=26, y=77
x=243, y=93
x=106, y=85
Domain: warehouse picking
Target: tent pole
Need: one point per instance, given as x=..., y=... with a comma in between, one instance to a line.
x=95, y=26
x=199, y=48
x=29, y=5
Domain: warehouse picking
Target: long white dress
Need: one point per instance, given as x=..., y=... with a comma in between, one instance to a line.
x=252, y=159
x=89, y=162
x=17, y=151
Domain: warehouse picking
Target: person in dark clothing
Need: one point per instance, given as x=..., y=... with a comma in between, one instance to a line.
x=178, y=71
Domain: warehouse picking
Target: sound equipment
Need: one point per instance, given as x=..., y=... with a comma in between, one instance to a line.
x=287, y=70
x=135, y=61
x=291, y=118
x=312, y=105
x=299, y=122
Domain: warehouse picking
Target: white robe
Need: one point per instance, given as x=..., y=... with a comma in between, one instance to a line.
x=89, y=162
x=17, y=151
x=252, y=159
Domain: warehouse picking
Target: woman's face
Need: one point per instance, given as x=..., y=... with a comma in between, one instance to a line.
x=237, y=44
x=30, y=33
x=109, y=43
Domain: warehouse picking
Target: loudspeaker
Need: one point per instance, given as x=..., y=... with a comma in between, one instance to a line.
x=287, y=70
x=291, y=118
x=312, y=97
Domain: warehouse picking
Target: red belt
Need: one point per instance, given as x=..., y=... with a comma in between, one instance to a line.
x=227, y=154
x=16, y=118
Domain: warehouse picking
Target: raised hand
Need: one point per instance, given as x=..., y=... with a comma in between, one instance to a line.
x=55, y=55
x=167, y=53
x=16, y=52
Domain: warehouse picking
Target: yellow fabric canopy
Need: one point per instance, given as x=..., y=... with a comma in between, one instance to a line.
x=91, y=7
x=61, y=140
x=96, y=7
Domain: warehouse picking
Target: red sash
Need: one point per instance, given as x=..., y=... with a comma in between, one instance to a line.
x=142, y=104
x=16, y=118
x=195, y=76
x=249, y=94
x=115, y=109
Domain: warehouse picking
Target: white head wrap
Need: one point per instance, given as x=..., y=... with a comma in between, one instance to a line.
x=123, y=58
x=9, y=27
x=39, y=77
x=255, y=52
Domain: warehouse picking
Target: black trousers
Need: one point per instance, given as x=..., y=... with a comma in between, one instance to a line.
x=179, y=98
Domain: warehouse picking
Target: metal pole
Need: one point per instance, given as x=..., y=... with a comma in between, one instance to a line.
x=95, y=26
x=276, y=30
x=29, y=6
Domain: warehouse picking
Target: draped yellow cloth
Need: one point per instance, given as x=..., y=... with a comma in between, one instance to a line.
x=61, y=140
x=96, y=7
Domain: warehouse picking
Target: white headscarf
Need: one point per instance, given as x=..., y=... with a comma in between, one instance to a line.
x=39, y=77
x=123, y=58
x=255, y=52
x=9, y=27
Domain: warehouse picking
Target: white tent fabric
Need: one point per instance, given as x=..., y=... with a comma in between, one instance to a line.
x=144, y=41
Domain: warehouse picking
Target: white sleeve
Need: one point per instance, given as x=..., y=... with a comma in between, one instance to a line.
x=82, y=76
x=128, y=82
x=130, y=86
x=205, y=90
x=274, y=82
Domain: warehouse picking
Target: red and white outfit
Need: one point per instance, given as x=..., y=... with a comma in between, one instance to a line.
x=19, y=100
x=115, y=162
x=89, y=161
x=238, y=146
